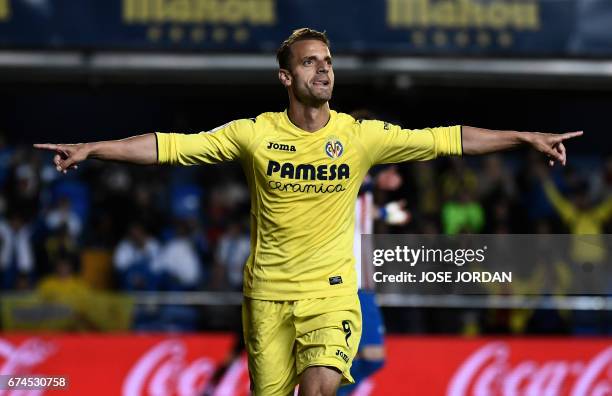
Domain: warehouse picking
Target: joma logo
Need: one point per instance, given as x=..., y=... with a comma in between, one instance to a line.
x=343, y=355
x=281, y=146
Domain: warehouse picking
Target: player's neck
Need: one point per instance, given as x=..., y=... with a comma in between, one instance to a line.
x=309, y=119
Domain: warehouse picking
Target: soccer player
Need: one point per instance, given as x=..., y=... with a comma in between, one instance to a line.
x=304, y=166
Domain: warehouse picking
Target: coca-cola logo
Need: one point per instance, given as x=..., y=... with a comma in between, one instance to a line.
x=488, y=372
x=22, y=359
x=164, y=370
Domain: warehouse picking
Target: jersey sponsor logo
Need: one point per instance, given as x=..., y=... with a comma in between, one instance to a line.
x=288, y=170
x=306, y=188
x=335, y=280
x=281, y=147
x=334, y=148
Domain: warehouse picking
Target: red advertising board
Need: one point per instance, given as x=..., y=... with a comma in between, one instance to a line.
x=497, y=367
x=183, y=365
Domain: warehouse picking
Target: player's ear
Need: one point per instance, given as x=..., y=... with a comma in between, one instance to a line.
x=284, y=76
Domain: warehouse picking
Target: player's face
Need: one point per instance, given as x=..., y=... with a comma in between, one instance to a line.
x=312, y=76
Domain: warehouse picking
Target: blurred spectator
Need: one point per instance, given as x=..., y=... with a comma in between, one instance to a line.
x=16, y=254
x=232, y=252
x=458, y=178
x=186, y=200
x=497, y=191
x=71, y=199
x=113, y=195
x=225, y=201
x=59, y=243
x=532, y=196
x=233, y=194
x=495, y=181
x=65, y=287
x=602, y=182
x=180, y=269
x=145, y=209
x=99, y=232
x=498, y=217
x=463, y=215
x=23, y=187
x=134, y=260
x=179, y=261
x=62, y=215
x=77, y=306
x=552, y=276
x=582, y=217
x=579, y=214
x=586, y=221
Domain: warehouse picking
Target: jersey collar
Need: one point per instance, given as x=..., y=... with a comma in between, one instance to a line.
x=300, y=131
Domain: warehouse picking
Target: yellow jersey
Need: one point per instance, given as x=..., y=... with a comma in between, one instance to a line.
x=303, y=188
x=588, y=245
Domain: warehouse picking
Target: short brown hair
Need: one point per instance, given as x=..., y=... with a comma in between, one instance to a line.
x=283, y=54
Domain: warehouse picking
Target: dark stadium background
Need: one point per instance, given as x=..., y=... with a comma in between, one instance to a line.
x=557, y=78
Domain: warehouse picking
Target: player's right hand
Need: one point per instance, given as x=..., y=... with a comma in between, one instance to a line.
x=67, y=156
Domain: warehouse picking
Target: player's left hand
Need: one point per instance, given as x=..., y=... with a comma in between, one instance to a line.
x=551, y=145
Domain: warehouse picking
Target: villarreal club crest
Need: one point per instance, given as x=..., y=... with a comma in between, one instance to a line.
x=333, y=147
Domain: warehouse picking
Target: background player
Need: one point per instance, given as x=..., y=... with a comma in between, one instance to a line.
x=371, y=353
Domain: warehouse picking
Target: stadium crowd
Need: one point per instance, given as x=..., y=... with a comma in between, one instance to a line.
x=128, y=228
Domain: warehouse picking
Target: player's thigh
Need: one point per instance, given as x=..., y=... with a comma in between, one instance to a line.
x=270, y=342
x=328, y=333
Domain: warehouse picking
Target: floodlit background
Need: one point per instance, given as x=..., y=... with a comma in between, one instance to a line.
x=147, y=260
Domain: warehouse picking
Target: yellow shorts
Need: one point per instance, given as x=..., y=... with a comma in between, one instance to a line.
x=283, y=338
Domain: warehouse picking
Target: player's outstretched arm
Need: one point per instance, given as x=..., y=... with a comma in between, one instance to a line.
x=483, y=141
x=140, y=149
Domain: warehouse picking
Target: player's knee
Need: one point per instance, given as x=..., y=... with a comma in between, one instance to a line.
x=320, y=381
x=319, y=390
x=322, y=391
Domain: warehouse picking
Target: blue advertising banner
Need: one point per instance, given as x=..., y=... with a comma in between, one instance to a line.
x=459, y=27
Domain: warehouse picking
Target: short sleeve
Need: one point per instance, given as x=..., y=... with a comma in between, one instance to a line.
x=225, y=143
x=388, y=143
